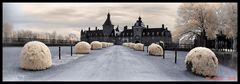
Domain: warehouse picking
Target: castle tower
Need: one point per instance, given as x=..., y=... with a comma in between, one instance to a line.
x=137, y=30
x=107, y=28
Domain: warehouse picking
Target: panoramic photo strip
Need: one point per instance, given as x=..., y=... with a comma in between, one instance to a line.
x=120, y=41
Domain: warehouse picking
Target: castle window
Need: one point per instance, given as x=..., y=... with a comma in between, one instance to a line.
x=143, y=33
x=148, y=33
x=157, y=33
x=152, y=33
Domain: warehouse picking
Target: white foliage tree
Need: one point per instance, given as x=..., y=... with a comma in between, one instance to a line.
x=227, y=14
x=193, y=16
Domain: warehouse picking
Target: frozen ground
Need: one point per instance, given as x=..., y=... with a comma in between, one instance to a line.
x=116, y=63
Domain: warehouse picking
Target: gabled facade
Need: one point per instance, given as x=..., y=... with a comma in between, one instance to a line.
x=139, y=33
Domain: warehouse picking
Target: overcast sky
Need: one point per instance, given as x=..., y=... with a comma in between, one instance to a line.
x=65, y=18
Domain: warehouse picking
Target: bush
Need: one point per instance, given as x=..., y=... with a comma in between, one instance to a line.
x=35, y=55
x=82, y=48
x=202, y=61
x=155, y=49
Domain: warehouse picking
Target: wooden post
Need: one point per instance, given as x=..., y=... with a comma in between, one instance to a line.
x=163, y=53
x=71, y=50
x=175, y=55
x=147, y=49
x=59, y=53
x=91, y=47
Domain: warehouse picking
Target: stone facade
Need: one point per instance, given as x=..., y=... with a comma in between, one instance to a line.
x=139, y=33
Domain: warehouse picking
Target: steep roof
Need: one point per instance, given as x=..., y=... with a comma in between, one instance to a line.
x=108, y=21
x=139, y=22
x=117, y=29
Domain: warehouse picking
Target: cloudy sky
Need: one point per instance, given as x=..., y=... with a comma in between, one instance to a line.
x=65, y=18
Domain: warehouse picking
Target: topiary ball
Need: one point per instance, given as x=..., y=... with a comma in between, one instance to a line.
x=155, y=49
x=35, y=55
x=95, y=45
x=82, y=48
x=202, y=61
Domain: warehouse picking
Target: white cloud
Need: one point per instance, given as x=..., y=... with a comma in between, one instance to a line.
x=73, y=17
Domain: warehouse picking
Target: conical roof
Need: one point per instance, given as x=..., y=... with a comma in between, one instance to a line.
x=117, y=29
x=139, y=22
x=108, y=21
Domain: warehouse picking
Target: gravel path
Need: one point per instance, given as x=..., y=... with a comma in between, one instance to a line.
x=115, y=63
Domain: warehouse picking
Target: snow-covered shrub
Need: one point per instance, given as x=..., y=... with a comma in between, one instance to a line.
x=131, y=45
x=35, y=55
x=125, y=44
x=82, y=48
x=96, y=45
x=105, y=44
x=155, y=49
x=202, y=61
x=111, y=44
x=139, y=46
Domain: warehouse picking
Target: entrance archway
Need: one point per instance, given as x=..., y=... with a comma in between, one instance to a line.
x=136, y=41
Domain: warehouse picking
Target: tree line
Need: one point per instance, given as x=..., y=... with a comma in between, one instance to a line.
x=22, y=36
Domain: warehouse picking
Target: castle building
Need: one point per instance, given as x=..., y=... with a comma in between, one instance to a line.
x=139, y=33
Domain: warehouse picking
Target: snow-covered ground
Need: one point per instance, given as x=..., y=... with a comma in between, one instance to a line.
x=115, y=63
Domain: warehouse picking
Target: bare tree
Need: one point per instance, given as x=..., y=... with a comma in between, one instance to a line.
x=60, y=37
x=53, y=36
x=7, y=31
x=25, y=34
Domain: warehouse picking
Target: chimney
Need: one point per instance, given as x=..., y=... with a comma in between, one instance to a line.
x=166, y=28
x=96, y=28
x=147, y=26
x=125, y=28
x=162, y=25
x=89, y=29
